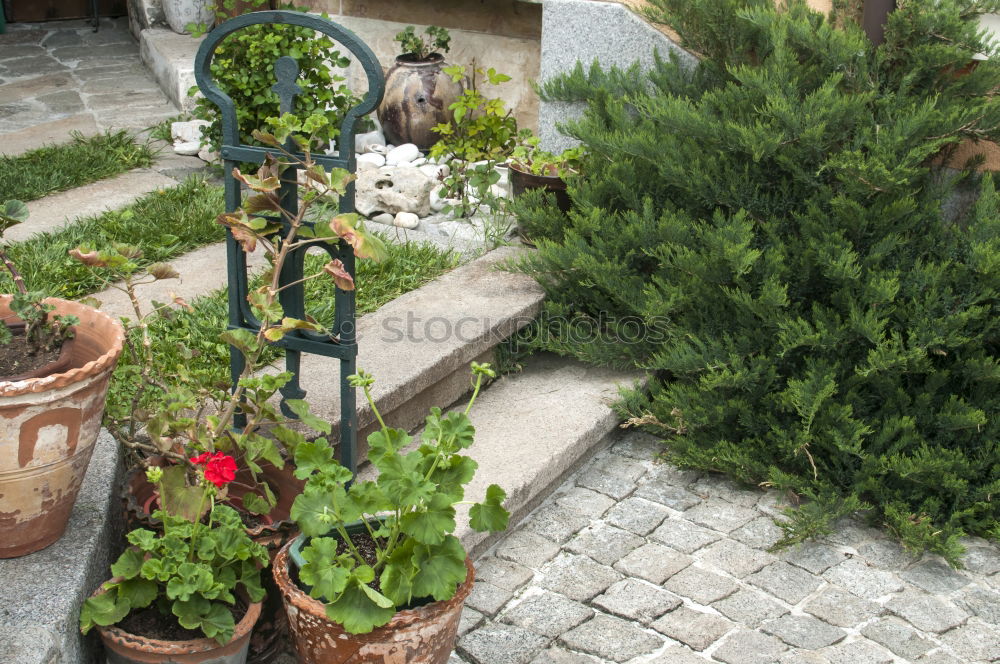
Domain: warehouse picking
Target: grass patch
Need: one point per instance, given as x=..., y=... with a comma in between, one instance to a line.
x=83, y=160
x=186, y=344
x=164, y=224
x=161, y=131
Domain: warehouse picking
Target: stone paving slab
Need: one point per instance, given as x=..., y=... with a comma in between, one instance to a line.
x=57, y=210
x=702, y=585
x=60, y=76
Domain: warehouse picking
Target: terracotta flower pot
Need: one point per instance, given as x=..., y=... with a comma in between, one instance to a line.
x=48, y=427
x=522, y=180
x=424, y=635
x=122, y=647
x=417, y=96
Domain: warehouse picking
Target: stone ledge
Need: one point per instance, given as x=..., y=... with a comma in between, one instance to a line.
x=473, y=308
x=41, y=593
x=170, y=59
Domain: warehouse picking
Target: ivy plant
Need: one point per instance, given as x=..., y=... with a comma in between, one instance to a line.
x=243, y=68
x=192, y=570
x=408, y=512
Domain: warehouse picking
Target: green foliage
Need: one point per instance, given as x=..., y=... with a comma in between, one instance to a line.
x=830, y=314
x=243, y=67
x=83, y=160
x=436, y=40
x=192, y=569
x=44, y=332
x=483, y=129
x=529, y=157
x=408, y=511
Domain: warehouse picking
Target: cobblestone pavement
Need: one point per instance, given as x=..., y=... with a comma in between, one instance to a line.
x=63, y=71
x=634, y=561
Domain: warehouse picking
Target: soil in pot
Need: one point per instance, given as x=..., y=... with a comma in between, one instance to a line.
x=152, y=624
x=18, y=359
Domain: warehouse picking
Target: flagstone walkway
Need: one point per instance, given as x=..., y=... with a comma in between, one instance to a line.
x=61, y=76
x=632, y=560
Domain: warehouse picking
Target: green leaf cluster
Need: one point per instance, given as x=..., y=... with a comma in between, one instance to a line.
x=825, y=295
x=408, y=511
x=436, y=40
x=192, y=571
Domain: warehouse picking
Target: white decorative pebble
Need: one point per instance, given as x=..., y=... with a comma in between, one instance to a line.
x=375, y=160
x=384, y=218
x=403, y=154
x=187, y=147
x=406, y=220
x=363, y=142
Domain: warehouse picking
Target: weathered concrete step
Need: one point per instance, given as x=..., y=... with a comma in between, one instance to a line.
x=53, y=212
x=533, y=428
x=170, y=59
x=41, y=593
x=419, y=346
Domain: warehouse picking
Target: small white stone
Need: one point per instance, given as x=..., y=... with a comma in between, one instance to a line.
x=371, y=158
x=437, y=202
x=384, y=218
x=403, y=154
x=406, y=220
x=187, y=132
x=378, y=149
x=419, y=161
x=190, y=148
x=366, y=165
x=499, y=191
x=362, y=142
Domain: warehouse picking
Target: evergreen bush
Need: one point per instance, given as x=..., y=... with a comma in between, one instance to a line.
x=830, y=291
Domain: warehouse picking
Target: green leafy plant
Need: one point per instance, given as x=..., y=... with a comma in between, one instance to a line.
x=43, y=332
x=408, y=512
x=192, y=571
x=436, y=40
x=243, y=68
x=828, y=309
x=482, y=134
x=530, y=158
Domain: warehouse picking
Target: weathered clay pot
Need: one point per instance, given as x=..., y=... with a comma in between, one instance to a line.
x=48, y=427
x=121, y=647
x=417, y=96
x=424, y=635
x=522, y=180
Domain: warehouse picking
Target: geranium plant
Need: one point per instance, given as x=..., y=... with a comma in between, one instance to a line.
x=193, y=570
x=407, y=515
x=530, y=158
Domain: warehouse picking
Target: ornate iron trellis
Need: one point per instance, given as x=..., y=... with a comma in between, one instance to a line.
x=232, y=151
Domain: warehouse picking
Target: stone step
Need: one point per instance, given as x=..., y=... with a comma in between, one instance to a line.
x=40, y=135
x=41, y=593
x=170, y=59
x=419, y=346
x=57, y=210
x=203, y=271
x=533, y=428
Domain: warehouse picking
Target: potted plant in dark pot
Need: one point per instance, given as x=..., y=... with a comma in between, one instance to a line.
x=534, y=168
x=189, y=594
x=376, y=575
x=56, y=358
x=418, y=93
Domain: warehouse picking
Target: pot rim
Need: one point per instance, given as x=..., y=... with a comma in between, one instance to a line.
x=524, y=170
x=291, y=594
x=106, y=362
x=161, y=647
x=406, y=59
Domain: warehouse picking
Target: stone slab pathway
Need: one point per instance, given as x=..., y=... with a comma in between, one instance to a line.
x=61, y=76
x=53, y=212
x=635, y=561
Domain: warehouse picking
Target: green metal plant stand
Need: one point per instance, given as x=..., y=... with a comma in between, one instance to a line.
x=234, y=151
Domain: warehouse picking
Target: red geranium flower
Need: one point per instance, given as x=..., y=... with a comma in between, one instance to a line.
x=220, y=469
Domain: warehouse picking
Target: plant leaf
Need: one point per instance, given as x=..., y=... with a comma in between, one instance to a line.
x=490, y=515
x=356, y=611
